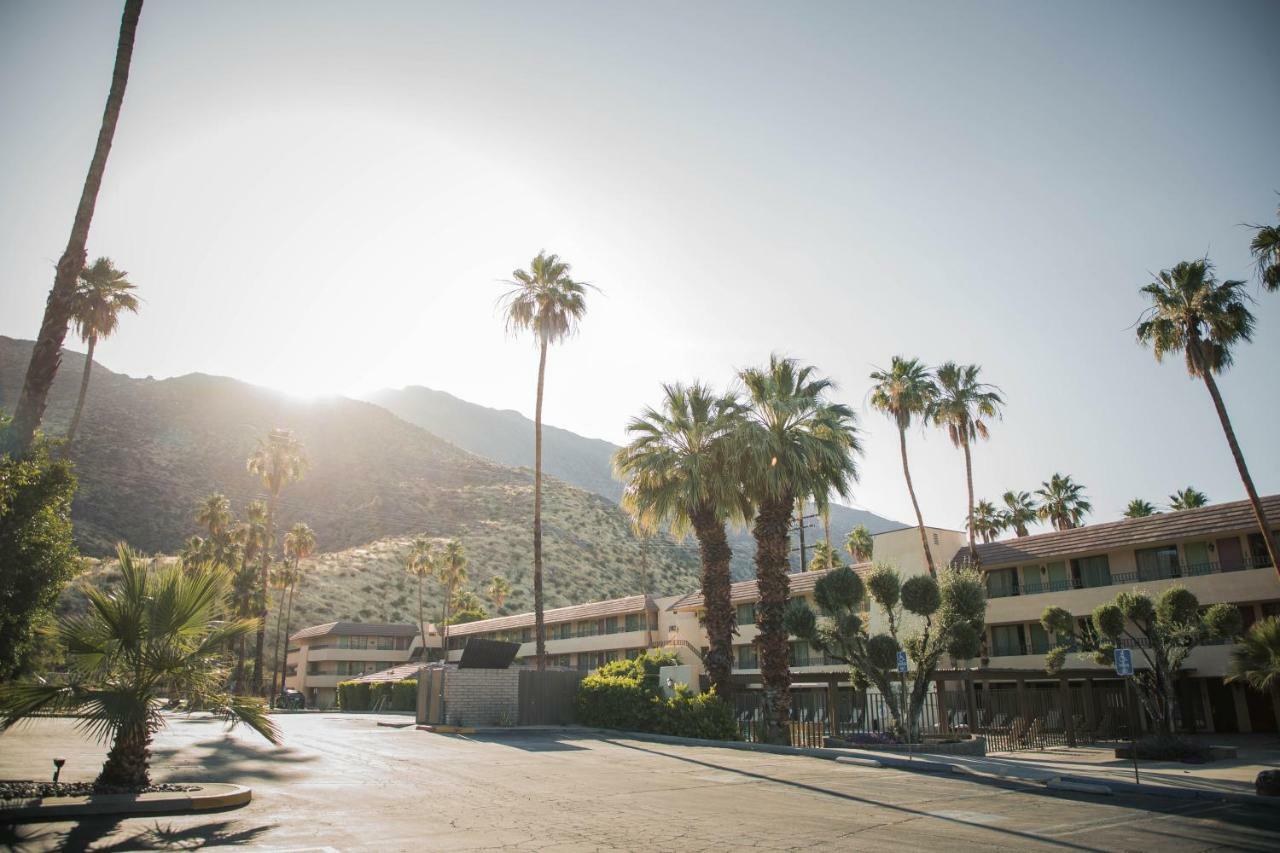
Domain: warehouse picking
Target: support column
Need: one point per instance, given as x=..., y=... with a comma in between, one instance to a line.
x=833, y=706
x=1068, y=718
x=944, y=725
x=1207, y=705
x=971, y=700
x=1022, y=699
x=1243, y=723
x=1090, y=709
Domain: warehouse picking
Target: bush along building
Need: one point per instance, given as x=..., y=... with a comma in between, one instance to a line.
x=1010, y=692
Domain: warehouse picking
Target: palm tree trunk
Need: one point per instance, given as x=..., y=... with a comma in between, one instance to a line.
x=46, y=355
x=422, y=625
x=275, y=651
x=770, y=532
x=539, y=625
x=716, y=580
x=1267, y=536
x=826, y=537
x=127, y=762
x=288, y=626
x=915, y=504
x=84, y=390
x=264, y=586
x=968, y=476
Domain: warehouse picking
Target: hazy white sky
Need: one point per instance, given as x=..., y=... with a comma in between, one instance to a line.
x=322, y=197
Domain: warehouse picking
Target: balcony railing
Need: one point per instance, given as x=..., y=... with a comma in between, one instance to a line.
x=1191, y=570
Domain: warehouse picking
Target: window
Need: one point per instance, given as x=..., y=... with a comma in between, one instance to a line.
x=1157, y=563
x=1006, y=640
x=746, y=614
x=1092, y=571
x=589, y=628
x=1002, y=583
x=653, y=620
x=1258, y=551
x=611, y=625
x=1039, y=639
x=1059, y=577
x=635, y=622
x=747, y=657
x=799, y=653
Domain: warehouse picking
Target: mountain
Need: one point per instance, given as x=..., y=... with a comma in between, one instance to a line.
x=149, y=450
x=506, y=436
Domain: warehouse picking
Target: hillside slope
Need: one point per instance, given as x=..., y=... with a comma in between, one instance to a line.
x=149, y=450
x=506, y=436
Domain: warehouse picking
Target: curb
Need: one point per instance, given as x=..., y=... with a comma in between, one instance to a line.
x=213, y=795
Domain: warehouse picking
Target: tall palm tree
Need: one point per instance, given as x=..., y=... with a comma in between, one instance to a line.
x=1139, y=508
x=988, y=521
x=214, y=514
x=859, y=544
x=679, y=469
x=1188, y=498
x=250, y=538
x=156, y=634
x=498, y=590
x=418, y=565
x=281, y=580
x=1266, y=251
x=1193, y=313
x=449, y=568
x=299, y=543
x=795, y=443
x=1063, y=503
x=1019, y=511
x=47, y=352
x=278, y=460
x=903, y=392
x=103, y=292
x=547, y=302
x=962, y=407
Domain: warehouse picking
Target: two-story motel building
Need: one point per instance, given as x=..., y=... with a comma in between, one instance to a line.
x=1214, y=551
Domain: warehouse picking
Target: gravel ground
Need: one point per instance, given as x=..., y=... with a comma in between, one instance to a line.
x=23, y=790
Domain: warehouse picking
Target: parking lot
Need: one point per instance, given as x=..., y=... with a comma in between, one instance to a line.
x=345, y=783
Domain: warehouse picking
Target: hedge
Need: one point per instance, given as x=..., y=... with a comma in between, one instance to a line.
x=383, y=695
x=624, y=695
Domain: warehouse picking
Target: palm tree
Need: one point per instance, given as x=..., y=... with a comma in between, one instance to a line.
x=281, y=580
x=859, y=544
x=1063, y=503
x=905, y=391
x=1138, y=508
x=449, y=568
x=418, y=564
x=498, y=590
x=546, y=301
x=47, y=352
x=156, y=634
x=250, y=538
x=214, y=514
x=1256, y=660
x=1193, y=313
x=103, y=292
x=795, y=444
x=988, y=521
x=299, y=543
x=1019, y=511
x=962, y=405
x=278, y=460
x=824, y=557
x=1266, y=251
x=679, y=470
x=1188, y=498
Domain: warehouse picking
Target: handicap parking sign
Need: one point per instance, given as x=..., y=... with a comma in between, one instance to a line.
x=1124, y=661
x=902, y=661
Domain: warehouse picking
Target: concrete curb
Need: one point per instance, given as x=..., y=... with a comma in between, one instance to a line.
x=212, y=795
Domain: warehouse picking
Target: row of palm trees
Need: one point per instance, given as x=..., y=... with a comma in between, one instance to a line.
x=1188, y=498
x=1060, y=501
x=446, y=564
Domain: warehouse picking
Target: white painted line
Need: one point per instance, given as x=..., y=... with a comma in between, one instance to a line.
x=860, y=762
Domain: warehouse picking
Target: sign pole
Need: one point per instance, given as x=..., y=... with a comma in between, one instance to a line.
x=906, y=713
x=1123, y=659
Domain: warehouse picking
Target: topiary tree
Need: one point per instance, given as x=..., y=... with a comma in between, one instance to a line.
x=950, y=613
x=1163, y=632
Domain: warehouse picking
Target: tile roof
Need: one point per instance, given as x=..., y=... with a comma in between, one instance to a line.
x=396, y=673
x=592, y=610
x=746, y=591
x=359, y=629
x=1093, y=538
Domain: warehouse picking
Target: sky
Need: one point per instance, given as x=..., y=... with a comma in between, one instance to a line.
x=326, y=197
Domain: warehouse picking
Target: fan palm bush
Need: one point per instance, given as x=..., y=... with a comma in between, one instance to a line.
x=155, y=636
x=1256, y=660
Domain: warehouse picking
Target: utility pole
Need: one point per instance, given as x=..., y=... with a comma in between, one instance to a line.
x=800, y=525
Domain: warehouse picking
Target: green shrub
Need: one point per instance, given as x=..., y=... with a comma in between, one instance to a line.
x=404, y=695
x=380, y=695
x=624, y=695
x=353, y=695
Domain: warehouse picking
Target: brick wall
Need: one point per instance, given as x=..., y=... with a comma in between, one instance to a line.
x=482, y=697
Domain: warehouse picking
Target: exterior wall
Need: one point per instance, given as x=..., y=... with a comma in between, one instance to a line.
x=482, y=697
x=319, y=687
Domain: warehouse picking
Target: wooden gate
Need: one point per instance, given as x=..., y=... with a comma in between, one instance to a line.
x=547, y=698
x=430, y=697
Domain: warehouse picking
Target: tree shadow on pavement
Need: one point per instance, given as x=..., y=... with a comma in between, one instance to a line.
x=228, y=760
x=530, y=743
x=1014, y=836
x=101, y=835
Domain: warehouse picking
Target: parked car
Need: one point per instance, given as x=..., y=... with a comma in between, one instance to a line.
x=291, y=700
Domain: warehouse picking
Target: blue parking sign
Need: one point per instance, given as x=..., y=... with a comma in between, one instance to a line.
x=1124, y=661
x=902, y=661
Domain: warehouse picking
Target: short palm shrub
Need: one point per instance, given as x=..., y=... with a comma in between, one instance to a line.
x=155, y=636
